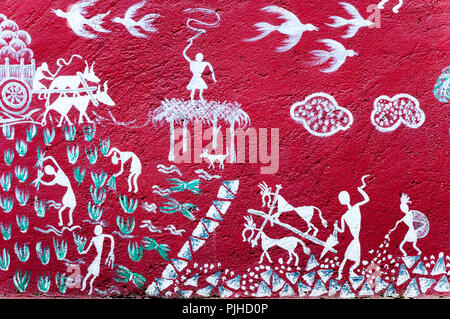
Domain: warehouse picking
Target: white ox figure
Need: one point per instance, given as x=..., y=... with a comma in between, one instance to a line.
x=72, y=82
x=64, y=104
x=304, y=212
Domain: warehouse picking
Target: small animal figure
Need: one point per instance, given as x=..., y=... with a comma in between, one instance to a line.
x=146, y=23
x=77, y=22
x=213, y=158
x=293, y=28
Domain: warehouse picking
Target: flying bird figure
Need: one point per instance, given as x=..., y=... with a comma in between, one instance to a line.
x=77, y=22
x=293, y=28
x=337, y=55
x=146, y=23
x=354, y=24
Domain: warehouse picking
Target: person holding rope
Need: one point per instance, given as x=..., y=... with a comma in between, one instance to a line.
x=198, y=66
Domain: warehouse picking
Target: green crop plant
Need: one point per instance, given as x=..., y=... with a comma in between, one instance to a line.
x=60, y=249
x=21, y=148
x=48, y=136
x=8, y=156
x=69, y=133
x=72, y=154
x=125, y=227
x=128, y=206
x=43, y=253
x=79, y=174
x=5, y=181
x=22, y=253
x=21, y=280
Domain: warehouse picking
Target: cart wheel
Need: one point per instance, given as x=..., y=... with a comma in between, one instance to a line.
x=15, y=96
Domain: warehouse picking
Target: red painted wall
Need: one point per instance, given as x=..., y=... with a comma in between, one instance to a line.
x=406, y=54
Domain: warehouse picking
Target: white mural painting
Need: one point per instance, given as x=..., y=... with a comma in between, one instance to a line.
x=352, y=219
x=320, y=115
x=395, y=9
x=292, y=28
x=145, y=23
x=17, y=68
x=289, y=243
x=71, y=82
x=203, y=231
x=178, y=111
x=63, y=104
x=135, y=166
x=389, y=113
x=353, y=24
x=417, y=223
x=304, y=212
x=93, y=270
x=169, y=170
x=20, y=80
x=77, y=21
x=336, y=56
x=59, y=178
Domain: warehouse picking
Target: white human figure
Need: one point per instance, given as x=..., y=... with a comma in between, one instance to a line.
x=197, y=67
x=39, y=75
x=61, y=179
x=352, y=218
x=408, y=219
x=135, y=166
x=94, y=269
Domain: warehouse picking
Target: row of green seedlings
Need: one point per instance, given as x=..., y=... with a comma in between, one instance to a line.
x=49, y=135
x=22, y=175
x=129, y=206
x=31, y=132
x=92, y=156
x=7, y=203
x=135, y=250
x=98, y=195
x=43, y=252
x=22, y=280
x=22, y=222
x=69, y=134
